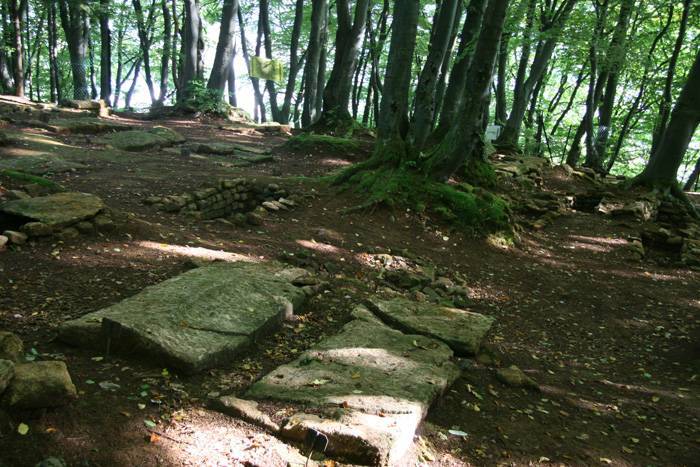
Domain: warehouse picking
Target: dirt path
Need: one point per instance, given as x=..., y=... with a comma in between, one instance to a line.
x=613, y=343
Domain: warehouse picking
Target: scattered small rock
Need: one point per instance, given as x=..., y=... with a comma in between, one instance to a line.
x=515, y=377
x=18, y=238
x=11, y=346
x=39, y=385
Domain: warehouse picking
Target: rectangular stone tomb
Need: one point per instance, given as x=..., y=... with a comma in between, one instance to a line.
x=194, y=321
x=367, y=389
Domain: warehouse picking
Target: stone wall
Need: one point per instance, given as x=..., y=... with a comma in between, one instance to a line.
x=226, y=198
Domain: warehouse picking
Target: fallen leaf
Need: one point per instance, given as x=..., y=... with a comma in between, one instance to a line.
x=459, y=433
x=23, y=429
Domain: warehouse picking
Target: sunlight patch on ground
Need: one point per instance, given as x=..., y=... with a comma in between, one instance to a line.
x=597, y=244
x=330, y=162
x=197, y=252
x=320, y=247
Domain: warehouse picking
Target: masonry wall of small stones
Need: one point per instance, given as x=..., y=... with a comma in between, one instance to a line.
x=226, y=198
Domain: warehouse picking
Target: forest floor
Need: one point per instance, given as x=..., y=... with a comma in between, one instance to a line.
x=612, y=342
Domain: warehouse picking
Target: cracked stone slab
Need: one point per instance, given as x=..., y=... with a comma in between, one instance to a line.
x=462, y=330
x=197, y=320
x=370, y=386
x=58, y=210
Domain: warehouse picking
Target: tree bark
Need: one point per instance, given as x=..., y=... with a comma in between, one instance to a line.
x=190, y=45
x=75, y=27
x=683, y=121
x=428, y=79
x=392, y=123
x=550, y=31
x=105, y=53
x=16, y=9
x=145, y=41
x=313, y=58
x=693, y=178
x=254, y=81
x=665, y=104
x=224, y=49
x=165, y=58
x=455, y=87
x=465, y=139
x=348, y=41
x=294, y=61
x=614, y=64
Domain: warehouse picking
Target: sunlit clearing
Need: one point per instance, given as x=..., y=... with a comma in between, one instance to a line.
x=198, y=252
x=321, y=247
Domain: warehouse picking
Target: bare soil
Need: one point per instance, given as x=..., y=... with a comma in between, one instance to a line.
x=613, y=342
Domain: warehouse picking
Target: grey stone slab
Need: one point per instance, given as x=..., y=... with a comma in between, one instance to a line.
x=462, y=330
x=373, y=384
x=197, y=320
x=58, y=210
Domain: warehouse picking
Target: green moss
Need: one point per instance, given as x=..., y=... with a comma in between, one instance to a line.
x=27, y=178
x=480, y=173
x=313, y=142
x=479, y=210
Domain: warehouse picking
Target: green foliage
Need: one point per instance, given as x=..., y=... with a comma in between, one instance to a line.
x=205, y=100
x=312, y=142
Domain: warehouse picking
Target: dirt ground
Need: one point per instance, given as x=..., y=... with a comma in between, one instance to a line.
x=613, y=343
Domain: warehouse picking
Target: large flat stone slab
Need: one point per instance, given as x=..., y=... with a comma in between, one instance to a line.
x=140, y=140
x=369, y=387
x=462, y=330
x=58, y=210
x=40, y=164
x=194, y=321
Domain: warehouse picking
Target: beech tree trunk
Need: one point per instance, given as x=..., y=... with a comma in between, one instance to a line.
x=75, y=27
x=392, y=122
x=348, y=42
x=190, y=45
x=465, y=139
x=684, y=119
x=224, y=48
x=294, y=62
x=428, y=79
x=165, y=58
x=259, y=104
x=313, y=58
x=550, y=31
x=17, y=7
x=143, y=28
x=105, y=53
x=455, y=87
x=665, y=104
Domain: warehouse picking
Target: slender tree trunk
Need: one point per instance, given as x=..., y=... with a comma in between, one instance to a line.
x=74, y=22
x=428, y=79
x=348, y=41
x=465, y=139
x=551, y=31
x=665, y=104
x=224, y=48
x=254, y=81
x=683, y=121
x=231, y=82
x=54, y=90
x=313, y=58
x=392, y=123
x=614, y=64
x=175, y=57
x=130, y=92
x=693, y=178
x=91, y=63
x=501, y=112
x=465, y=51
x=145, y=41
x=165, y=57
x=294, y=61
x=322, y=63
x=105, y=53
x=446, y=64
x=16, y=9
x=267, y=42
x=190, y=45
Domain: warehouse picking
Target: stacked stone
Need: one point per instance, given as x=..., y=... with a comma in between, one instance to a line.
x=227, y=198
